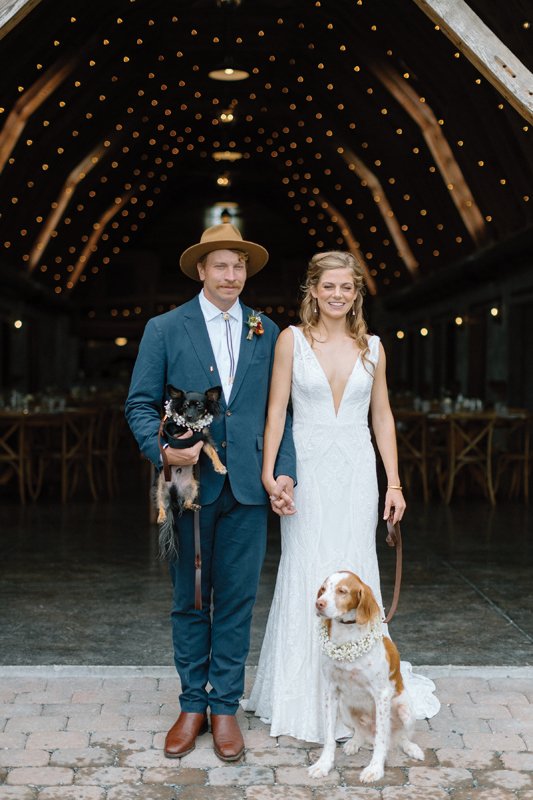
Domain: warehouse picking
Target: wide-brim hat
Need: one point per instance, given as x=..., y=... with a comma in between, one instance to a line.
x=222, y=237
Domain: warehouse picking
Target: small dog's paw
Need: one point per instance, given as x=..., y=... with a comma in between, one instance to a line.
x=320, y=769
x=371, y=773
x=221, y=470
x=161, y=517
x=351, y=747
x=413, y=751
x=190, y=506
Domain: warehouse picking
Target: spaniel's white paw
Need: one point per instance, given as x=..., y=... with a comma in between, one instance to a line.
x=413, y=751
x=371, y=773
x=321, y=768
x=352, y=746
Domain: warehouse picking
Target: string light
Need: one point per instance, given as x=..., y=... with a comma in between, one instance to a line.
x=309, y=149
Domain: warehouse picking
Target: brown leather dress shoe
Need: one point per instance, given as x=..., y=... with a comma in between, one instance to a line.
x=227, y=737
x=181, y=738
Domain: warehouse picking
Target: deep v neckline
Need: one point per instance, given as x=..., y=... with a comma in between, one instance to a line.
x=321, y=368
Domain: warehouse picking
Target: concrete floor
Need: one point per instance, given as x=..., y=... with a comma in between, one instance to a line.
x=82, y=584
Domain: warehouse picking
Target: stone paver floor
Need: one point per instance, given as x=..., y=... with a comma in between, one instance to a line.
x=96, y=733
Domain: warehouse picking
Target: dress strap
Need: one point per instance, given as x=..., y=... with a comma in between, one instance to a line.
x=373, y=348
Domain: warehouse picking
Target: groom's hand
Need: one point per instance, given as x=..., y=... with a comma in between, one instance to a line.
x=282, y=496
x=184, y=457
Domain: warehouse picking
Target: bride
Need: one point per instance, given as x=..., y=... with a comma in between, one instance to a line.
x=333, y=372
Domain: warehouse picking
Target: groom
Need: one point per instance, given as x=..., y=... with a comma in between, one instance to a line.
x=212, y=341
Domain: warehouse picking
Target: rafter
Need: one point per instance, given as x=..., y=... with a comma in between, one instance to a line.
x=384, y=207
x=437, y=143
x=12, y=12
x=29, y=102
x=79, y=172
x=98, y=229
x=486, y=52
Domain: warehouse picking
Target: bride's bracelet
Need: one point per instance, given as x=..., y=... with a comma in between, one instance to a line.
x=395, y=487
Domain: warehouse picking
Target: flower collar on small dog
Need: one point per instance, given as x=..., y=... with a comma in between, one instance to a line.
x=255, y=324
x=198, y=425
x=349, y=651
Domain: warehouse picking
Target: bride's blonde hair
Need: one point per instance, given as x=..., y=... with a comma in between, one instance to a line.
x=309, y=312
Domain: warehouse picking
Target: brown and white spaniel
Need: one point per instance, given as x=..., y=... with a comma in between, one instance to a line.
x=363, y=680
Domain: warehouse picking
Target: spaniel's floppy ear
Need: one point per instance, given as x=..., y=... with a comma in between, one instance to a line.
x=367, y=608
x=175, y=394
x=213, y=396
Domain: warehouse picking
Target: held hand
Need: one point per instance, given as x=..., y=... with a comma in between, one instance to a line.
x=394, y=501
x=186, y=457
x=274, y=494
x=271, y=487
x=283, y=494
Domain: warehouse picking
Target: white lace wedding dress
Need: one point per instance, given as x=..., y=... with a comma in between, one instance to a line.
x=334, y=528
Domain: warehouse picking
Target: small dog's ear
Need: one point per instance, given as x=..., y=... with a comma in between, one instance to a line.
x=175, y=394
x=367, y=608
x=212, y=397
x=214, y=393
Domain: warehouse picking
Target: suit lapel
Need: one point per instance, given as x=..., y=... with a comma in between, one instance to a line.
x=196, y=328
x=246, y=352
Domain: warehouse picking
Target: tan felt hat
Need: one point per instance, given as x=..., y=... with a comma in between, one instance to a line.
x=222, y=237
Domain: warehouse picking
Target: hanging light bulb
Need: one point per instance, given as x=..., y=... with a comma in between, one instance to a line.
x=224, y=180
x=228, y=72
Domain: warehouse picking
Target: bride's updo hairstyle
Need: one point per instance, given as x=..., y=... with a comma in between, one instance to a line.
x=309, y=313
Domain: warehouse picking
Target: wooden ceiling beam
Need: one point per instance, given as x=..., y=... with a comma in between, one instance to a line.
x=484, y=50
x=12, y=12
x=98, y=229
x=384, y=207
x=423, y=116
x=29, y=102
x=79, y=172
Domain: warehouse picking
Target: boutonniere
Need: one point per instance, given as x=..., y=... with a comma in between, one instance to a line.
x=255, y=324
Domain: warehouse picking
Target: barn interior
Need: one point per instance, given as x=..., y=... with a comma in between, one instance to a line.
x=127, y=128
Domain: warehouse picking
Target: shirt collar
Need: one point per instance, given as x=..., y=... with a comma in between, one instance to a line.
x=210, y=311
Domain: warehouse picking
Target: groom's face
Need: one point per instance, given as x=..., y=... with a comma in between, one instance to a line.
x=223, y=274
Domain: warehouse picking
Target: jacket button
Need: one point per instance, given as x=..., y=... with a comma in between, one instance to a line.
x=228, y=413
x=222, y=444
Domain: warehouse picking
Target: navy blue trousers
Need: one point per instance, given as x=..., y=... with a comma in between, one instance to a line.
x=211, y=645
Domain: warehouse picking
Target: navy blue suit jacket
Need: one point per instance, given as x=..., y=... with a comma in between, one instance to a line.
x=176, y=349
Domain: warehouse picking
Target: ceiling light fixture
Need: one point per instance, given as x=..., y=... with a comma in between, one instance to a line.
x=224, y=180
x=228, y=71
x=227, y=155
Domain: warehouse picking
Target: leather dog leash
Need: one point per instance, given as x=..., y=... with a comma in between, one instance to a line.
x=394, y=539
x=164, y=459
x=197, y=542
x=197, y=560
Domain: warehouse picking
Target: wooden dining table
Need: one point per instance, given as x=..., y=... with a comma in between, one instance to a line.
x=41, y=446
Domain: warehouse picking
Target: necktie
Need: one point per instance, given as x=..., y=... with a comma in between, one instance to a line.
x=229, y=343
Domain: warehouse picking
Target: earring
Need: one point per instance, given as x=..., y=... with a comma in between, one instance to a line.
x=353, y=311
x=316, y=307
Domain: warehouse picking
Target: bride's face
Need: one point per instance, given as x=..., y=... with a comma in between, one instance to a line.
x=335, y=292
